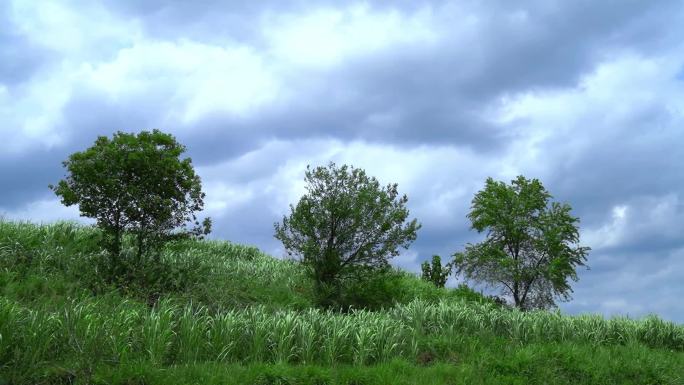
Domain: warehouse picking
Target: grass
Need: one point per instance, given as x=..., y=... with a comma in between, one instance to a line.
x=249, y=320
x=495, y=362
x=61, y=261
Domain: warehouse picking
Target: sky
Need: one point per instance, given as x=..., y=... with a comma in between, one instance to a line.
x=587, y=96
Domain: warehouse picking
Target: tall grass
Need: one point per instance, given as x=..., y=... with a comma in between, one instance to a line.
x=93, y=331
x=248, y=308
x=534, y=326
x=65, y=257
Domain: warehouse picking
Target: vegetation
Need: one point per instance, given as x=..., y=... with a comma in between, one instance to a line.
x=139, y=299
x=435, y=272
x=345, y=228
x=250, y=319
x=531, y=249
x=136, y=186
x=90, y=333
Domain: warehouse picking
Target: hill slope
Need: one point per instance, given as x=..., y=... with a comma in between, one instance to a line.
x=225, y=313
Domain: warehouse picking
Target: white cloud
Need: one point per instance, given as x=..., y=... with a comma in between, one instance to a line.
x=326, y=37
x=28, y=116
x=654, y=219
x=611, y=233
x=224, y=197
x=72, y=37
x=196, y=79
x=78, y=33
x=190, y=80
x=563, y=124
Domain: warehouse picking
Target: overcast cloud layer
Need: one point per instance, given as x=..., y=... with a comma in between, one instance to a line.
x=588, y=96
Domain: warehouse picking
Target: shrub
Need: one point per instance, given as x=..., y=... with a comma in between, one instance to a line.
x=435, y=273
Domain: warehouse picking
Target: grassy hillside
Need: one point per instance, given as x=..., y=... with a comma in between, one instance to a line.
x=229, y=314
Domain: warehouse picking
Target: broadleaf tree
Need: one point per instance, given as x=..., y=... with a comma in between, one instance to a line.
x=135, y=184
x=531, y=250
x=345, y=223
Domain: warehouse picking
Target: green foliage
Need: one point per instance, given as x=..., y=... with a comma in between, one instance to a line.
x=83, y=335
x=63, y=260
x=344, y=222
x=493, y=363
x=531, y=250
x=435, y=272
x=54, y=331
x=372, y=289
x=136, y=185
x=467, y=294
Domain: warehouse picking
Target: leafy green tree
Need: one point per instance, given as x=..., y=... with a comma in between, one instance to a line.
x=137, y=185
x=436, y=273
x=531, y=250
x=345, y=224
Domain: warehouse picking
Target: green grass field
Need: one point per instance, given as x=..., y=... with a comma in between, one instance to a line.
x=234, y=315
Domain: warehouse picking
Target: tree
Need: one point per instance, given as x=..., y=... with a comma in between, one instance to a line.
x=436, y=273
x=137, y=185
x=531, y=250
x=345, y=224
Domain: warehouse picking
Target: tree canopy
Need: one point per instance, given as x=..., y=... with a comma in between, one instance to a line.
x=136, y=184
x=531, y=251
x=434, y=272
x=345, y=223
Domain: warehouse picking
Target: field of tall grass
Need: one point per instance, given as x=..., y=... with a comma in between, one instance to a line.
x=97, y=330
x=251, y=313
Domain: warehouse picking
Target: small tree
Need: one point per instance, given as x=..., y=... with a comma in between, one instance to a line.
x=436, y=273
x=345, y=224
x=531, y=250
x=134, y=184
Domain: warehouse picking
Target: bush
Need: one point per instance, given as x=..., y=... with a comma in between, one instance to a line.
x=466, y=293
x=372, y=289
x=148, y=278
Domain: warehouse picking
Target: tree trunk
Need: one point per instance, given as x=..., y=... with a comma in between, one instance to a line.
x=516, y=296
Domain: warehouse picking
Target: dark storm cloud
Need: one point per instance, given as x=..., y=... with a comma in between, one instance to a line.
x=621, y=286
x=91, y=113
x=639, y=159
x=25, y=178
x=420, y=95
x=19, y=57
x=427, y=95
x=257, y=231
x=638, y=253
x=208, y=19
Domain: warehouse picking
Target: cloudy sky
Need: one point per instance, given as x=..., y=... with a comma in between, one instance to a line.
x=587, y=96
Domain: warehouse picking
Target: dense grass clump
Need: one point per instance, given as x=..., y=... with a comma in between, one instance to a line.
x=63, y=260
x=168, y=333
x=236, y=315
x=88, y=334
